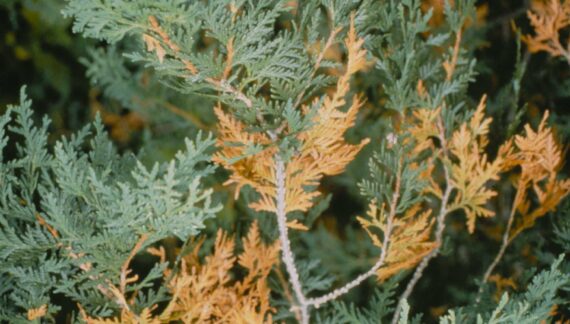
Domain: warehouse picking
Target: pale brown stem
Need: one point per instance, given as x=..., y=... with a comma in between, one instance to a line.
x=450, y=66
x=504, y=244
x=221, y=84
x=186, y=115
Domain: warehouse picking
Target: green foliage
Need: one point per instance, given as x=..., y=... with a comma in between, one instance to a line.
x=384, y=167
x=532, y=306
x=94, y=205
x=378, y=310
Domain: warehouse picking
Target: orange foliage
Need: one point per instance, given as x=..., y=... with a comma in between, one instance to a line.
x=37, y=313
x=502, y=284
x=121, y=126
x=540, y=158
x=409, y=237
x=472, y=171
x=438, y=15
x=548, y=19
x=464, y=154
x=423, y=126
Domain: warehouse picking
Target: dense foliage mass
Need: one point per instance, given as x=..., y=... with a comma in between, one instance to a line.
x=285, y=161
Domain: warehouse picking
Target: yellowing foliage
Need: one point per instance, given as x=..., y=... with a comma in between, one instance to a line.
x=207, y=293
x=470, y=170
x=540, y=158
x=549, y=18
x=424, y=126
x=37, y=313
x=438, y=12
x=323, y=150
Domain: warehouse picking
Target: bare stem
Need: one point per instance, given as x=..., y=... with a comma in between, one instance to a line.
x=289, y=259
x=328, y=44
x=317, y=302
x=504, y=245
x=287, y=292
x=286, y=254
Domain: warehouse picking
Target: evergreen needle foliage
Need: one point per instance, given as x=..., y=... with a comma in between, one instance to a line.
x=316, y=112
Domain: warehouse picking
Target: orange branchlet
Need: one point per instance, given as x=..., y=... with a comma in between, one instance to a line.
x=470, y=170
x=207, y=293
x=409, y=238
x=549, y=18
x=423, y=127
x=37, y=313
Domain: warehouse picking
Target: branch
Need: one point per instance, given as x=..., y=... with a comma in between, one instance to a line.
x=286, y=291
x=287, y=255
x=318, y=61
x=443, y=211
x=449, y=66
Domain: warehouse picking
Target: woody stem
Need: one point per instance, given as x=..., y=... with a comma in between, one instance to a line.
x=286, y=253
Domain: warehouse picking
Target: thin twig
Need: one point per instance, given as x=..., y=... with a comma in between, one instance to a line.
x=186, y=115
x=125, y=271
x=449, y=66
x=318, y=61
x=221, y=84
x=425, y=261
x=504, y=244
x=386, y=241
x=178, y=260
x=289, y=259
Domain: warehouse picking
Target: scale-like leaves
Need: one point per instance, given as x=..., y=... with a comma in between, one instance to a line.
x=472, y=172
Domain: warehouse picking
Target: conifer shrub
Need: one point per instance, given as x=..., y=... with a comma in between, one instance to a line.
x=292, y=161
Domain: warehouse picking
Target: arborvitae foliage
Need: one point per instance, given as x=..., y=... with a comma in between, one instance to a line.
x=74, y=215
x=454, y=192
